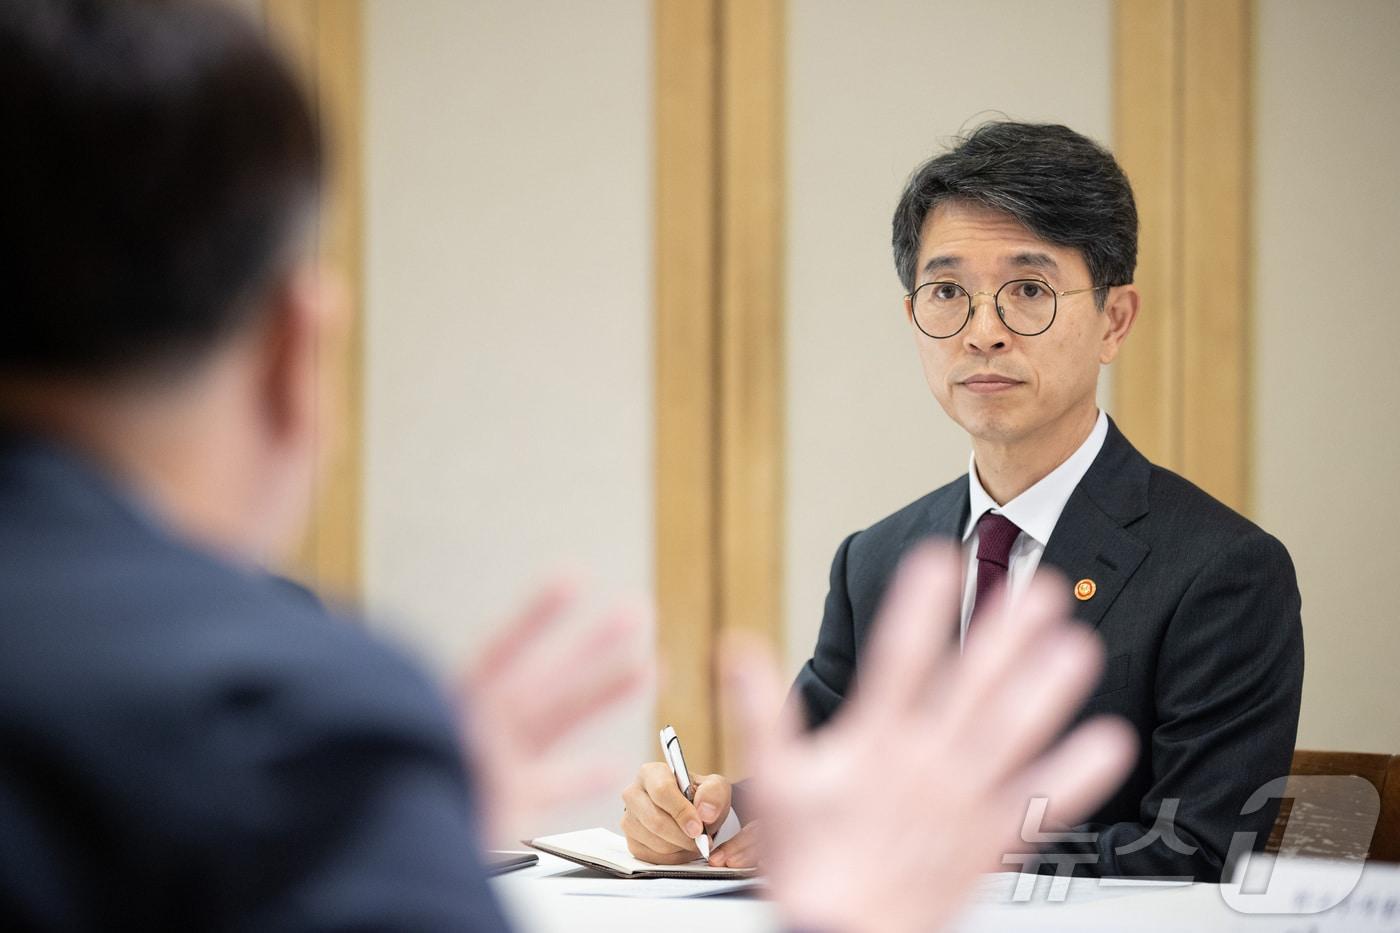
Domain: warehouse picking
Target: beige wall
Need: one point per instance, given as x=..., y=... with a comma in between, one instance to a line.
x=1327, y=326
x=508, y=257
x=874, y=89
x=508, y=164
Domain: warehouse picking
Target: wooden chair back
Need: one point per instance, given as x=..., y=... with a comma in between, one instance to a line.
x=1338, y=819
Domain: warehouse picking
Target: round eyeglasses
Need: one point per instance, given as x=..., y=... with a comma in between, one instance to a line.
x=1026, y=306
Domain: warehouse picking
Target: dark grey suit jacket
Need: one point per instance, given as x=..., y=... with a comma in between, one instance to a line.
x=188, y=745
x=1198, y=610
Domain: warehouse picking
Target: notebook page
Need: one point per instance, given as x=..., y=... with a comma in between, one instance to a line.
x=602, y=845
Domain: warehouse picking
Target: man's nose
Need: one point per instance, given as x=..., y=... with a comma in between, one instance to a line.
x=985, y=333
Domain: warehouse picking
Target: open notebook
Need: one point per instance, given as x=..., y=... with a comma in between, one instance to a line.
x=607, y=851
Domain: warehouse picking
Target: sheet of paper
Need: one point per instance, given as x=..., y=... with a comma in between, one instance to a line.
x=1010, y=887
x=593, y=885
x=1322, y=894
x=1274, y=896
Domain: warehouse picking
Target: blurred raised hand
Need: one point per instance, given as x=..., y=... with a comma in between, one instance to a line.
x=883, y=819
x=536, y=685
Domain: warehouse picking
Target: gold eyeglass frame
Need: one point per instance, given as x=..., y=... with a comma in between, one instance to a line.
x=996, y=305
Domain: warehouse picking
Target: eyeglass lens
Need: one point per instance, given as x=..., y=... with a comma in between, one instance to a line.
x=1026, y=306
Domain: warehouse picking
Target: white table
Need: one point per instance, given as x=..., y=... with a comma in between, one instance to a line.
x=535, y=899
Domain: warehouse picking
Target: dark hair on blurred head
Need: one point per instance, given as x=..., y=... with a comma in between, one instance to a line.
x=160, y=162
x=1064, y=187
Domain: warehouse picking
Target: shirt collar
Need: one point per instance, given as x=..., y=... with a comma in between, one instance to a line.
x=1037, y=510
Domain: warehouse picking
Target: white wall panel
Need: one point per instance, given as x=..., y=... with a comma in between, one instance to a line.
x=508, y=377
x=1327, y=329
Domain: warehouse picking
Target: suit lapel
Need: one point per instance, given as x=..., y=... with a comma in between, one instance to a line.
x=945, y=518
x=1090, y=542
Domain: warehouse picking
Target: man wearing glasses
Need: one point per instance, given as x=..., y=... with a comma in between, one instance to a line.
x=1017, y=250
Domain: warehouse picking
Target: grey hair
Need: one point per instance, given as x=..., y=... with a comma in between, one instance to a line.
x=1064, y=187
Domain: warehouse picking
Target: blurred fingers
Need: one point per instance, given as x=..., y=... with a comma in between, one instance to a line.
x=570, y=782
x=1040, y=697
x=754, y=695
x=1079, y=773
x=914, y=628
x=542, y=610
x=602, y=669
x=1000, y=648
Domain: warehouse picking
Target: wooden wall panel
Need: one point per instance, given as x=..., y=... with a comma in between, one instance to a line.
x=1147, y=115
x=751, y=322
x=686, y=375
x=719, y=346
x=324, y=39
x=1215, y=247
x=1182, y=116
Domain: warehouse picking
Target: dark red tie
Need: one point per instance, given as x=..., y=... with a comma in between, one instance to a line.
x=995, y=535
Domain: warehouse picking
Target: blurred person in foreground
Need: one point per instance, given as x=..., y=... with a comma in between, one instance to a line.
x=189, y=741
x=1017, y=249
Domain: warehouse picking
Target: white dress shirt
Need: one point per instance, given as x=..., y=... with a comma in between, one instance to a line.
x=1035, y=512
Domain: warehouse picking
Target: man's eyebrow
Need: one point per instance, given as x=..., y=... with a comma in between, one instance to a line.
x=943, y=263
x=1035, y=261
x=939, y=263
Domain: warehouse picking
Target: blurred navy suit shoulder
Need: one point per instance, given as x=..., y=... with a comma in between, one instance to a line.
x=185, y=743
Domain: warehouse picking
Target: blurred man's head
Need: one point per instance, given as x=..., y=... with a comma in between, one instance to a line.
x=1042, y=220
x=159, y=307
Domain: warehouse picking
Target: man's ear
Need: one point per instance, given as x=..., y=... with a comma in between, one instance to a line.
x=1119, y=312
x=304, y=320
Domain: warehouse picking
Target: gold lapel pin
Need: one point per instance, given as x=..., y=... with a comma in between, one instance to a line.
x=1085, y=589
